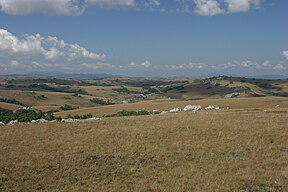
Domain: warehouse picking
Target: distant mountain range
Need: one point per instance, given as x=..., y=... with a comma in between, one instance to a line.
x=77, y=76
x=88, y=76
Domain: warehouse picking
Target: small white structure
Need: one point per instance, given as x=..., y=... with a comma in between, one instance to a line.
x=70, y=120
x=277, y=106
x=13, y=122
x=232, y=95
x=192, y=107
x=1, y=123
x=92, y=119
x=41, y=121
x=212, y=107
x=80, y=120
x=175, y=110
x=163, y=113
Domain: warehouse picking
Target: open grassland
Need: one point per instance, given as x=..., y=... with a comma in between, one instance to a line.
x=43, y=100
x=167, y=104
x=10, y=106
x=207, y=151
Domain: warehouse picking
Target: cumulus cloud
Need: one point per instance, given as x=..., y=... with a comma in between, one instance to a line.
x=279, y=66
x=145, y=64
x=152, y=3
x=208, y=7
x=248, y=64
x=214, y=7
x=77, y=7
x=10, y=44
x=14, y=63
x=45, y=52
x=98, y=66
x=285, y=54
x=50, y=48
x=50, y=7
x=234, y=65
x=189, y=65
x=241, y=5
x=113, y=4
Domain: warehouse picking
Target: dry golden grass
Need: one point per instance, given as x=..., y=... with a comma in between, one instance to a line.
x=52, y=98
x=167, y=104
x=206, y=151
x=10, y=106
x=106, y=92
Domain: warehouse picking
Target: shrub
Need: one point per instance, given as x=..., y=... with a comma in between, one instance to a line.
x=130, y=113
x=23, y=115
x=265, y=85
x=12, y=101
x=86, y=116
x=67, y=107
x=100, y=101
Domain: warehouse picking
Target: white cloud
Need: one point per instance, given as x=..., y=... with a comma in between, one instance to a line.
x=279, y=66
x=249, y=64
x=52, y=54
x=44, y=52
x=98, y=66
x=152, y=3
x=285, y=54
x=145, y=64
x=50, y=7
x=14, y=63
x=241, y=5
x=113, y=4
x=208, y=7
x=10, y=44
x=50, y=48
x=77, y=7
x=186, y=66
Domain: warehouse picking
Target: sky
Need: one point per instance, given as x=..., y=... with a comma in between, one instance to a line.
x=148, y=38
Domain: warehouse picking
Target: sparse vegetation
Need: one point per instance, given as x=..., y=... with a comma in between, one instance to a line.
x=124, y=90
x=130, y=113
x=68, y=107
x=40, y=97
x=12, y=101
x=23, y=115
x=86, y=116
x=100, y=101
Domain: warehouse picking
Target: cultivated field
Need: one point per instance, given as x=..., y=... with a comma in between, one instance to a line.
x=205, y=151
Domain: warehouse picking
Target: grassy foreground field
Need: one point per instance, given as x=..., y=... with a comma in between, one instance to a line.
x=207, y=151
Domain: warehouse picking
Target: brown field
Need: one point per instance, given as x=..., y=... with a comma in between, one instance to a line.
x=10, y=106
x=106, y=91
x=243, y=151
x=167, y=104
x=52, y=98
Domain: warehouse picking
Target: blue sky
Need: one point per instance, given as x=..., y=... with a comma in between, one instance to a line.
x=145, y=37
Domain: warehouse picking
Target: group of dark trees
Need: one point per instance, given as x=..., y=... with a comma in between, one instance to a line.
x=11, y=101
x=130, y=113
x=24, y=115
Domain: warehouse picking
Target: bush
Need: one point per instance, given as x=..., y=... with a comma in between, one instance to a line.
x=100, y=101
x=124, y=90
x=67, y=107
x=130, y=113
x=24, y=115
x=86, y=116
x=40, y=97
x=265, y=85
x=12, y=101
